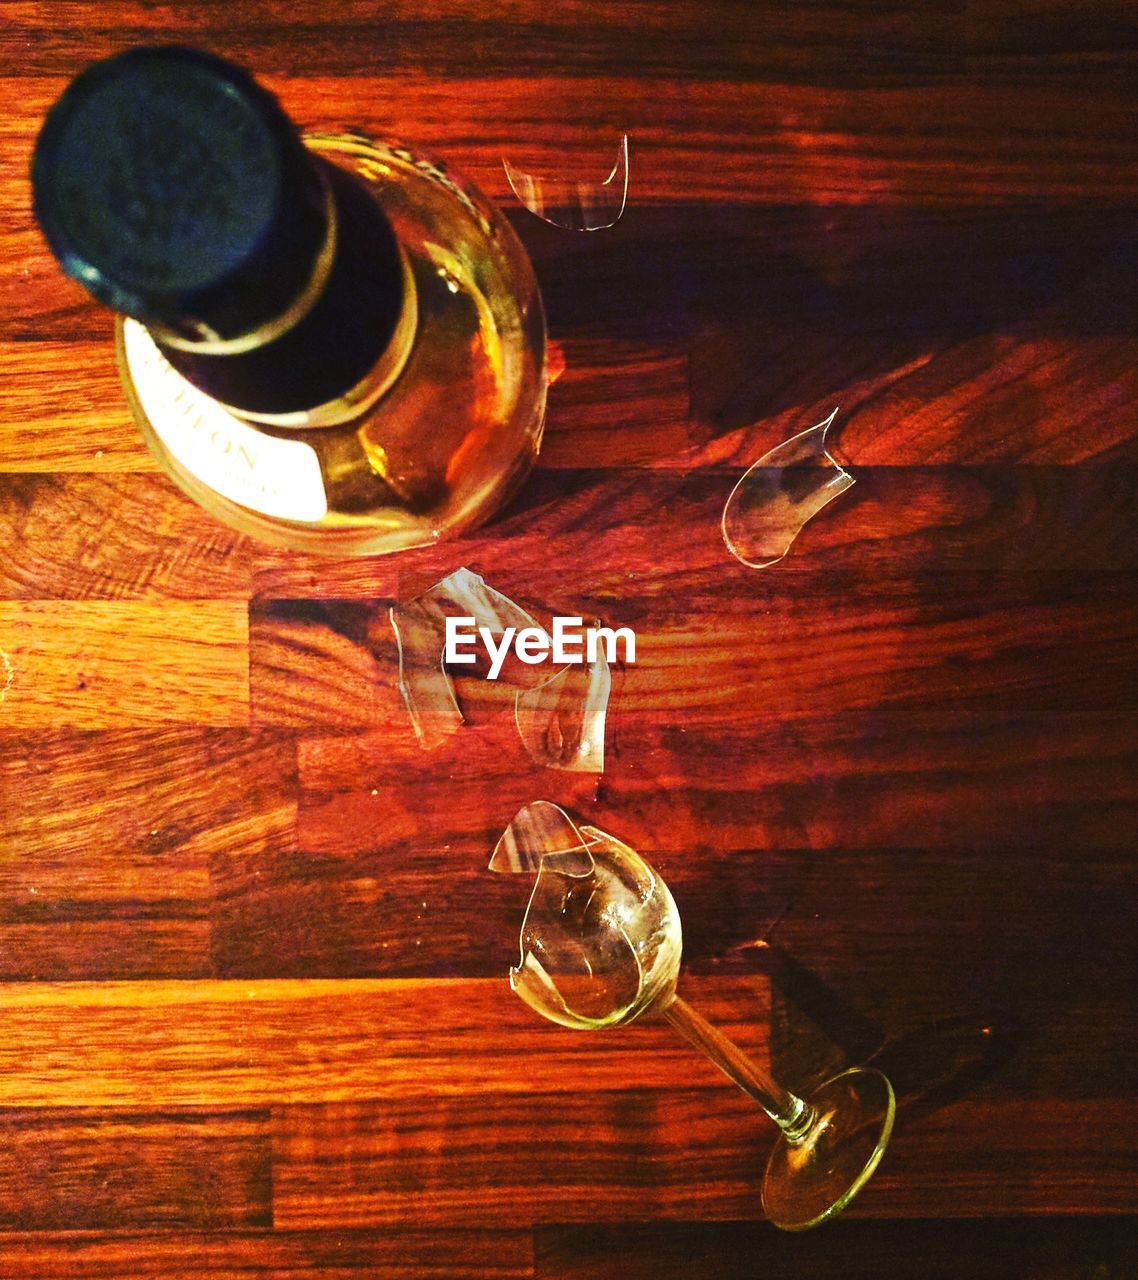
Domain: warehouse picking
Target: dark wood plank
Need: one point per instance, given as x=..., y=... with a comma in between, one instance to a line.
x=108, y=839
x=692, y=1156
x=989, y=974
x=77, y=797
x=618, y=405
x=980, y=1176
x=393, y=908
x=478, y=39
x=1051, y=40
x=57, y=947
x=961, y=652
x=137, y=537
x=999, y=1249
x=601, y=535
x=341, y=1254
x=90, y=1171
x=601, y=1154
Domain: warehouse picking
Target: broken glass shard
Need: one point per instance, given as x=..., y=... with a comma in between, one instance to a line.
x=541, y=830
x=466, y=594
x=776, y=497
x=420, y=632
x=569, y=202
x=424, y=685
x=562, y=722
x=560, y=718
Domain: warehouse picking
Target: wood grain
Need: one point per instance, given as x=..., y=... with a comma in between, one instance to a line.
x=254, y=1017
x=80, y=434
x=933, y=646
x=999, y=1249
x=102, y=537
x=735, y=140
x=393, y=1163
x=408, y=1161
x=388, y=1254
x=258, y=1043
x=475, y=39
x=897, y=519
x=116, y=844
x=104, y=664
x=191, y=1170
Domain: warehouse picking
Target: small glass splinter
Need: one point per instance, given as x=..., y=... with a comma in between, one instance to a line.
x=600, y=946
x=561, y=722
x=570, y=203
x=778, y=495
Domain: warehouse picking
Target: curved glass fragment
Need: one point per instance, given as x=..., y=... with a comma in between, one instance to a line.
x=420, y=630
x=778, y=495
x=541, y=830
x=570, y=202
x=424, y=685
x=467, y=594
x=601, y=940
x=560, y=718
x=561, y=722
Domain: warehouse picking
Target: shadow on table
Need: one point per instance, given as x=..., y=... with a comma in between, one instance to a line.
x=779, y=304
x=929, y=1067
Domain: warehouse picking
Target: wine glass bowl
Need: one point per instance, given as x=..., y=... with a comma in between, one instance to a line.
x=601, y=939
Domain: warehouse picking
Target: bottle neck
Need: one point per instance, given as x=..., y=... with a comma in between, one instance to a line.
x=197, y=337
x=343, y=339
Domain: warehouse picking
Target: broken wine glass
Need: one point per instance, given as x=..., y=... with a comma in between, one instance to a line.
x=601, y=945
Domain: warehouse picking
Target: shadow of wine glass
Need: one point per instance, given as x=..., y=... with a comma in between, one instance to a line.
x=929, y=1067
x=945, y=1060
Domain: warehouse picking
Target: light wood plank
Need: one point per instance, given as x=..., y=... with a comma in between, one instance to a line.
x=64, y=409
x=258, y=1043
x=97, y=665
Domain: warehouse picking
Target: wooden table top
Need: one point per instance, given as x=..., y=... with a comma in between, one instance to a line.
x=255, y=1018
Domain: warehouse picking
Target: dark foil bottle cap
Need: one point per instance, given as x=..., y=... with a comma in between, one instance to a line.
x=172, y=186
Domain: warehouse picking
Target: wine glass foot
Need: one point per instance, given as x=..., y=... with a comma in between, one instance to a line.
x=813, y=1179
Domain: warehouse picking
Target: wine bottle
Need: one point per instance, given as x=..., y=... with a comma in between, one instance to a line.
x=330, y=342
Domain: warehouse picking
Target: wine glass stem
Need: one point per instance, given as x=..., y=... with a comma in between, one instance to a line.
x=792, y=1115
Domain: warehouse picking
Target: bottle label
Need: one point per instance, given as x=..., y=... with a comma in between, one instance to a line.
x=278, y=478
